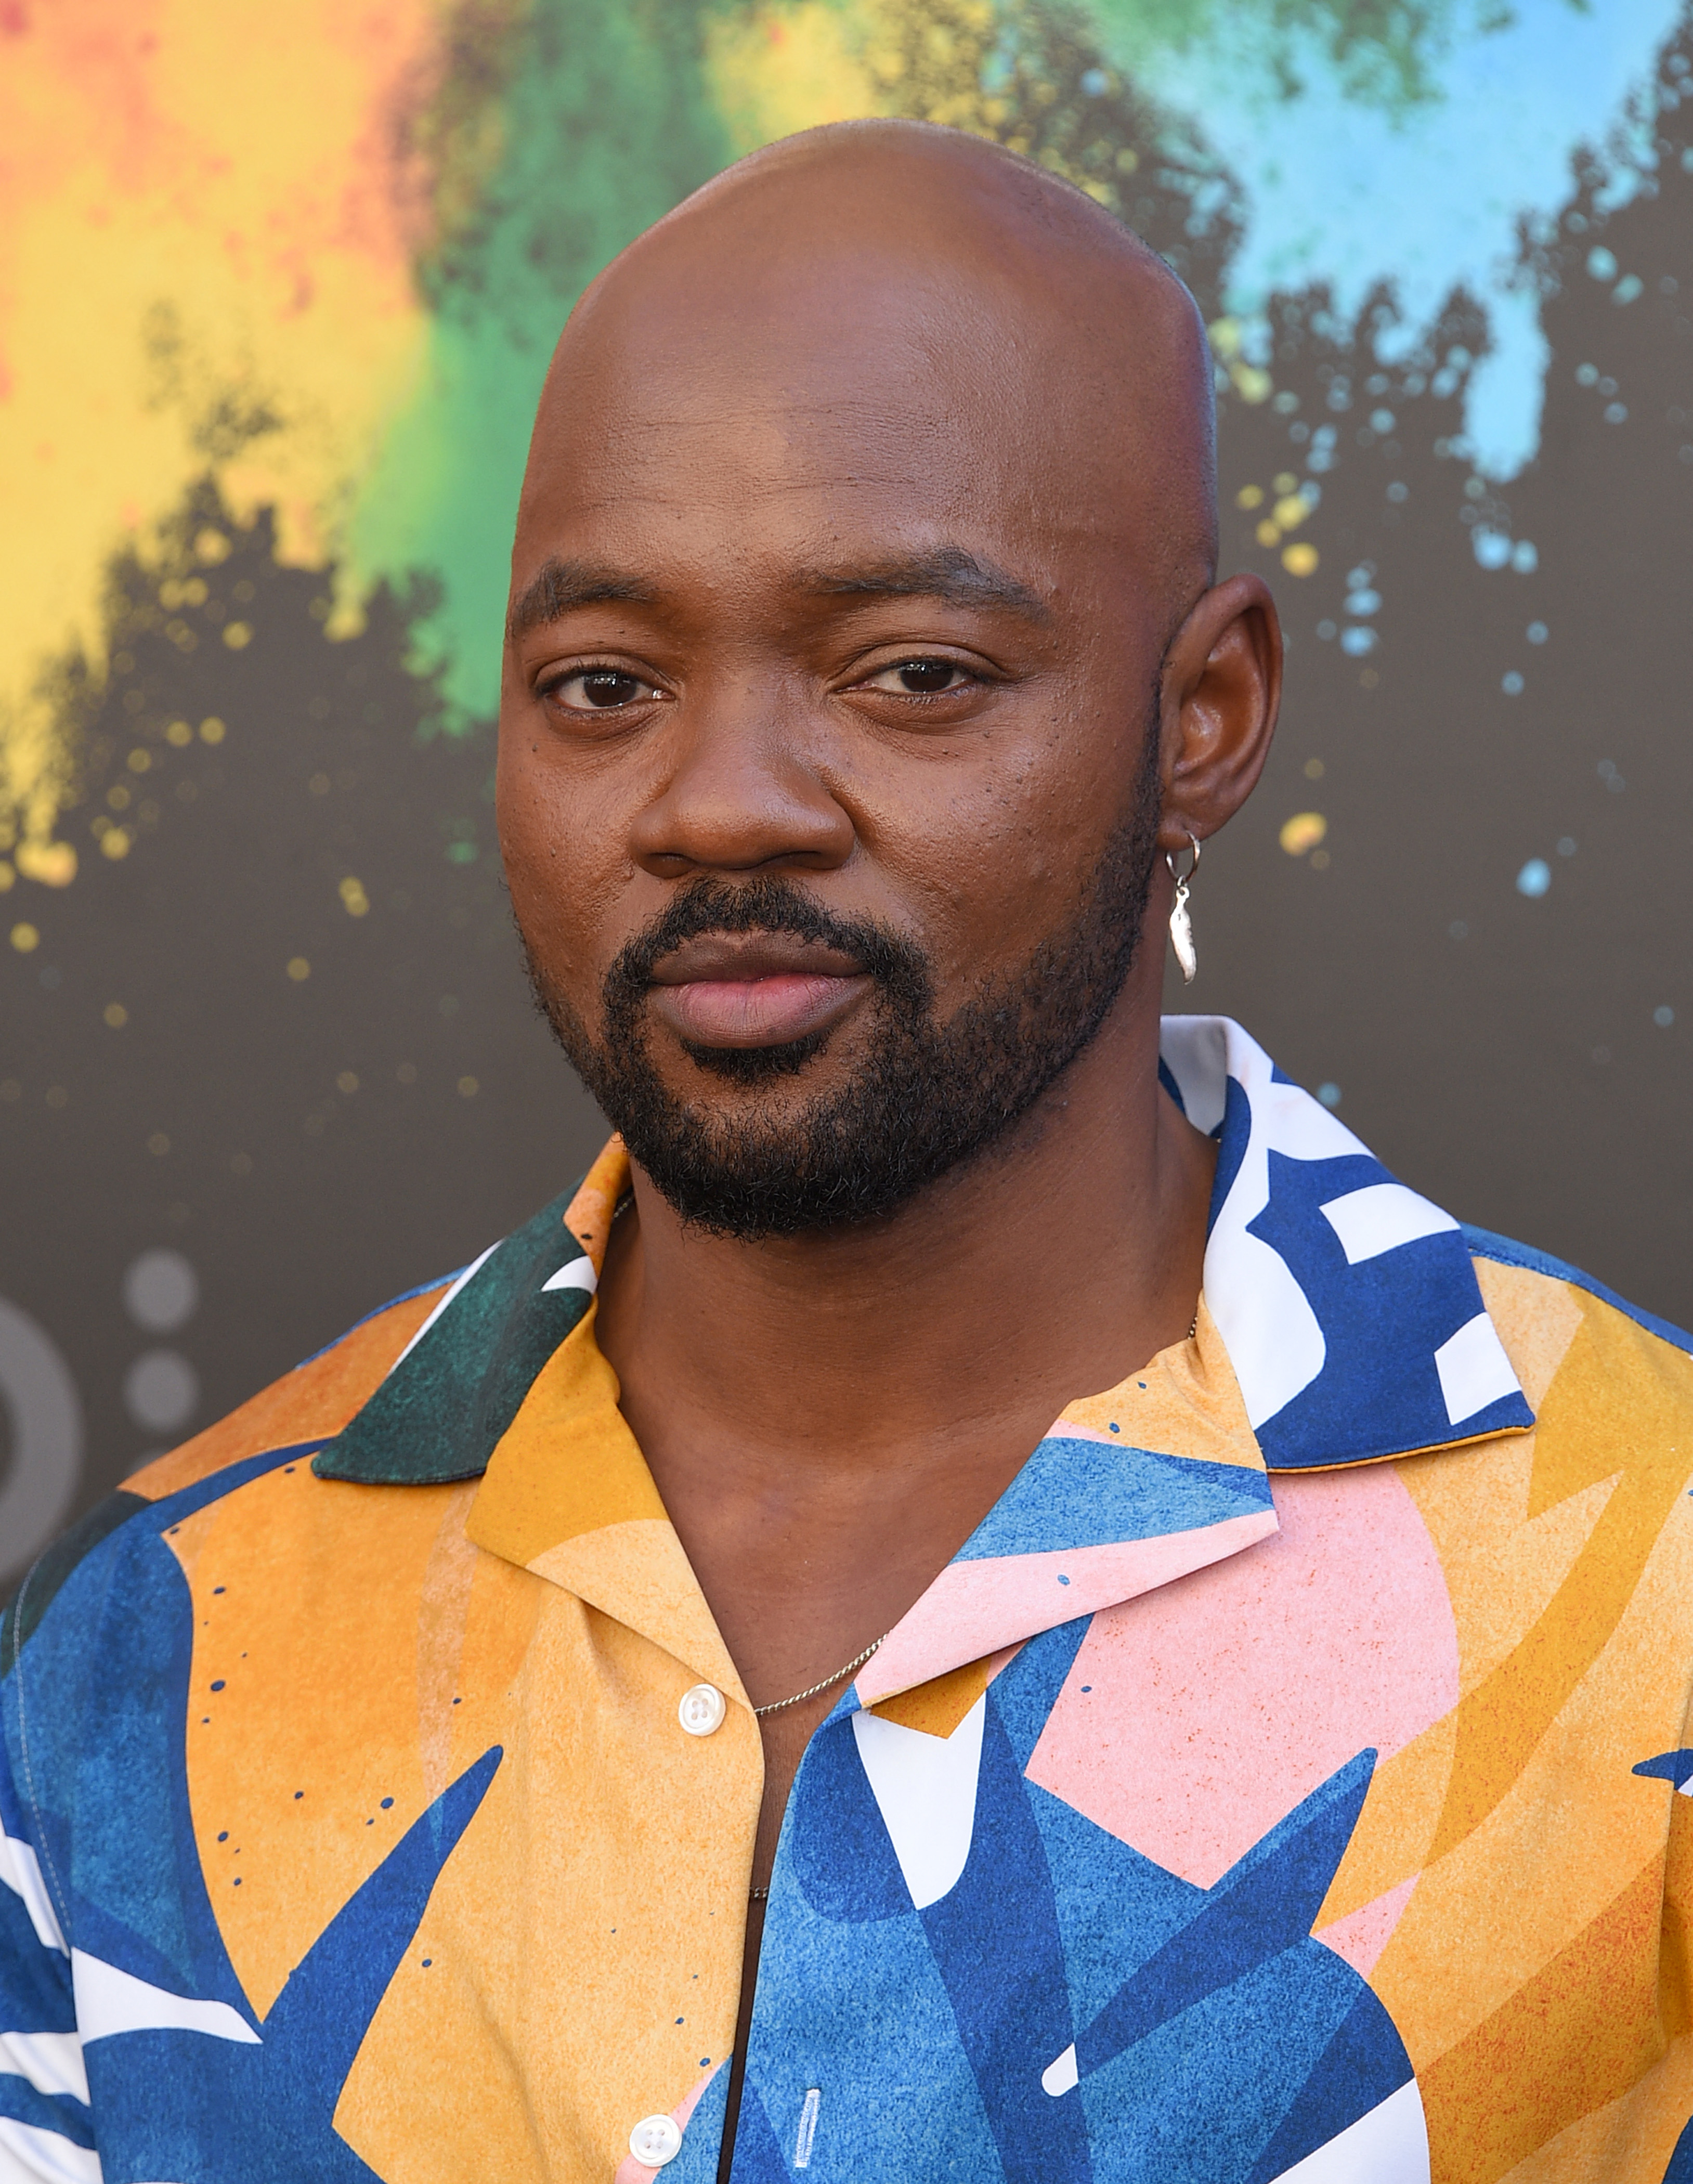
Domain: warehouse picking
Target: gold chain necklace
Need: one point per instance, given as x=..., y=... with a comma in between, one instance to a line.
x=811, y=1690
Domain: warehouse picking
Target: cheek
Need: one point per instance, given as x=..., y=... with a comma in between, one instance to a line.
x=561, y=864
x=997, y=857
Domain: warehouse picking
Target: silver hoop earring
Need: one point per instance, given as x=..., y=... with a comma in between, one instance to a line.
x=1181, y=925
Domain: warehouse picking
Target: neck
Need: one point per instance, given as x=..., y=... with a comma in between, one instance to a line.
x=1048, y=1268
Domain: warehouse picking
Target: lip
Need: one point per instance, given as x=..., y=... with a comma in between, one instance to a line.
x=755, y=989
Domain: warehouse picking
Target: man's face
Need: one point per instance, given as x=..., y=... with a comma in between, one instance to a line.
x=828, y=775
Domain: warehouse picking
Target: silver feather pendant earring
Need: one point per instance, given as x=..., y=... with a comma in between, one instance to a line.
x=1181, y=925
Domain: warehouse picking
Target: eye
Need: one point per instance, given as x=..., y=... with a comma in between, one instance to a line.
x=918, y=679
x=598, y=690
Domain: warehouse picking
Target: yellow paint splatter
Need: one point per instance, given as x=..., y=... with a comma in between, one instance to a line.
x=1302, y=832
x=776, y=70
x=223, y=182
x=1251, y=383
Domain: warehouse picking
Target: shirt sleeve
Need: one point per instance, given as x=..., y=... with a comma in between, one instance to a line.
x=46, y=2134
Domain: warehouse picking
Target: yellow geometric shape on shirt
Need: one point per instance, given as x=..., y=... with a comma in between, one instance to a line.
x=1586, y=1434
x=1579, y=2033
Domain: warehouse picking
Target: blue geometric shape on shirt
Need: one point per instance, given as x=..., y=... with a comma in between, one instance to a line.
x=189, y=2106
x=1360, y=2067
x=1264, y=1905
x=205, y=2111
x=1379, y=1392
x=1227, y=2039
x=1001, y=1958
x=1676, y=1767
x=1680, y=2169
x=758, y=2156
x=1074, y=1493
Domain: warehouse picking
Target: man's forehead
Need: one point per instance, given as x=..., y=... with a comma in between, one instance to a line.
x=816, y=324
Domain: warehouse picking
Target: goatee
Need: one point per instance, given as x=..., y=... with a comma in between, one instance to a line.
x=930, y=1094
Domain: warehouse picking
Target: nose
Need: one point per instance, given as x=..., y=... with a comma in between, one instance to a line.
x=743, y=793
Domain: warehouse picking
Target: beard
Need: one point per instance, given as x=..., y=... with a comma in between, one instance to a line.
x=931, y=1093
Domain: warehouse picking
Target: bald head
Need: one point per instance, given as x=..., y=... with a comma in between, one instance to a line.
x=890, y=298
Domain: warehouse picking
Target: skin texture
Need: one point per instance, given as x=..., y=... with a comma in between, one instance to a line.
x=881, y=393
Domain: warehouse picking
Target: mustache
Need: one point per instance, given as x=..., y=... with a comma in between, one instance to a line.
x=768, y=905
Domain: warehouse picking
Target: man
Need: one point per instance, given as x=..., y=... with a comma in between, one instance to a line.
x=557, y=1736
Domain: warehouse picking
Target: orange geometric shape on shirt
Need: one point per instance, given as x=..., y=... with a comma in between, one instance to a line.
x=1585, y=1434
x=311, y=1403
x=567, y=1464
x=937, y=1708
x=1574, y=2037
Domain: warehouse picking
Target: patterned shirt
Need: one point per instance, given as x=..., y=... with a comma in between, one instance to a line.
x=1282, y=1782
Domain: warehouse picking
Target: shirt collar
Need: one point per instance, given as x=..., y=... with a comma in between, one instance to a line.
x=1348, y=1304
x=1341, y=1323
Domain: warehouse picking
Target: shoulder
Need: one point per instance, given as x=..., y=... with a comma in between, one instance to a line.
x=285, y=1420
x=1583, y=1352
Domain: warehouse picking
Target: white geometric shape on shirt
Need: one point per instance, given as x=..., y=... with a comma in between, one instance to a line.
x=51, y=2062
x=20, y=1871
x=1388, y=2146
x=1274, y=1342
x=1473, y=1368
x=1380, y=1217
x=30, y=2155
x=925, y=1787
x=1060, y=2075
x=109, y=2002
x=574, y=1274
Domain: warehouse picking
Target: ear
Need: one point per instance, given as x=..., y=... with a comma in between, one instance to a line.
x=1222, y=688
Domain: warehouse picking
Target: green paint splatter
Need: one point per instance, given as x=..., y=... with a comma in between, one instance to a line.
x=555, y=140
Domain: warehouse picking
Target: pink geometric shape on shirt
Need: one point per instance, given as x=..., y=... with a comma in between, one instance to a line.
x=1213, y=1707
x=630, y=2171
x=973, y=1608
x=1362, y=1935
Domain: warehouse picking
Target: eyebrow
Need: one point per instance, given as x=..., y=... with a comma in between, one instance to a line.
x=946, y=572
x=558, y=586
x=949, y=573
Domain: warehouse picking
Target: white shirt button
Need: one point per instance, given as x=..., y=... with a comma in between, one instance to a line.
x=701, y=1711
x=657, y=2139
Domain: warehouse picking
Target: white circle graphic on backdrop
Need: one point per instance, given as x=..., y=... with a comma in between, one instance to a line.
x=45, y=1415
x=161, y=1290
x=160, y=1391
